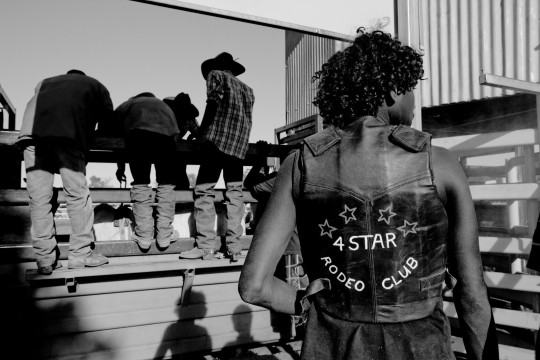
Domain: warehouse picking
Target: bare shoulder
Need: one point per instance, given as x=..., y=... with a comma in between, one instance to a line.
x=448, y=173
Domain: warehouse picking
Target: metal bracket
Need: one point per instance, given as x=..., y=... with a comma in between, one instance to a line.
x=189, y=275
x=71, y=284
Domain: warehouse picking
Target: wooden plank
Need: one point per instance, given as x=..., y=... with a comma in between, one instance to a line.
x=514, y=318
x=103, y=147
x=296, y=124
x=183, y=346
x=505, y=245
x=20, y=196
x=132, y=268
x=119, y=312
x=515, y=282
x=298, y=136
x=115, y=248
x=505, y=352
x=509, y=83
x=469, y=145
x=206, y=276
x=519, y=191
x=85, y=342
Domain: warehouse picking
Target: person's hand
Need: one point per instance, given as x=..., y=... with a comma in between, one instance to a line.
x=263, y=148
x=120, y=174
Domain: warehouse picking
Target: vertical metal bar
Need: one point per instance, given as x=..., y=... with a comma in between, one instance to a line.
x=521, y=40
x=454, y=52
x=486, y=55
x=497, y=51
x=474, y=31
x=424, y=46
x=509, y=52
x=465, y=53
x=444, y=52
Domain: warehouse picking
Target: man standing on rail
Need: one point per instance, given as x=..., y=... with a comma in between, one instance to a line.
x=55, y=136
x=150, y=131
x=224, y=136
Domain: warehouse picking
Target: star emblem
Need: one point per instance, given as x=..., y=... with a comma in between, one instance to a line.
x=386, y=215
x=348, y=214
x=407, y=228
x=326, y=229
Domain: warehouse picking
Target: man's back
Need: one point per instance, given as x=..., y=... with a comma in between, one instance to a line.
x=66, y=107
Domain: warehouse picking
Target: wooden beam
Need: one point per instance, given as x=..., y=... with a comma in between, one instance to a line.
x=517, y=191
x=509, y=83
x=515, y=282
x=16, y=253
x=514, y=318
x=247, y=18
x=475, y=145
x=103, y=148
x=505, y=245
x=506, y=352
x=132, y=268
x=20, y=196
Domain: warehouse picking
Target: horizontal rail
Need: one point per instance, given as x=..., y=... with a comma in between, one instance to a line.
x=20, y=196
x=514, y=318
x=103, y=148
x=132, y=268
x=481, y=144
x=515, y=282
x=517, y=191
x=509, y=83
x=505, y=245
x=506, y=352
x=113, y=248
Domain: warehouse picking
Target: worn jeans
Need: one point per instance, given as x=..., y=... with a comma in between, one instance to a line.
x=214, y=161
x=42, y=161
x=144, y=149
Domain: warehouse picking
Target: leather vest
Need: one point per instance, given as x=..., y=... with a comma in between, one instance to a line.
x=371, y=221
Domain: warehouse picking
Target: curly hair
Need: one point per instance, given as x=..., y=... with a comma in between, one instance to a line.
x=356, y=81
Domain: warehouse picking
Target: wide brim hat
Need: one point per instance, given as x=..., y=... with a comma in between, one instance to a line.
x=223, y=61
x=182, y=103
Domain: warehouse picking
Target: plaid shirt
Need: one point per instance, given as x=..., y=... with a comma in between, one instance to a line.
x=231, y=128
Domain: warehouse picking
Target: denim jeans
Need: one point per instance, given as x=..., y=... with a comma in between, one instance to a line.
x=214, y=161
x=144, y=149
x=42, y=161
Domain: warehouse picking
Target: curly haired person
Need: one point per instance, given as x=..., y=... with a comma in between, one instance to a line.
x=383, y=217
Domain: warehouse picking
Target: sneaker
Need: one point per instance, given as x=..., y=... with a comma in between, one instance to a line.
x=47, y=270
x=91, y=260
x=144, y=244
x=164, y=243
x=196, y=253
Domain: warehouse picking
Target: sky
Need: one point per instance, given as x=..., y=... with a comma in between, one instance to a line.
x=133, y=47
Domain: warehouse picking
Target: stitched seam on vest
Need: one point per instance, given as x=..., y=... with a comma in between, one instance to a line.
x=400, y=183
x=372, y=279
x=364, y=199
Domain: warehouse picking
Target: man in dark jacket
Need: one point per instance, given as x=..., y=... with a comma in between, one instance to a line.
x=150, y=131
x=55, y=136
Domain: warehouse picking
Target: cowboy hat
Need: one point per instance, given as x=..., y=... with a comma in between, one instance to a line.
x=223, y=61
x=181, y=104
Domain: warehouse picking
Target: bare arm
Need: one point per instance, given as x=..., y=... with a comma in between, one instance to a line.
x=257, y=284
x=470, y=293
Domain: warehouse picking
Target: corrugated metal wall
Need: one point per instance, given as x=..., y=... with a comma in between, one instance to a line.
x=462, y=38
x=305, y=55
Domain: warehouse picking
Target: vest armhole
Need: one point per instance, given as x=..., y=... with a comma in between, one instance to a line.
x=297, y=173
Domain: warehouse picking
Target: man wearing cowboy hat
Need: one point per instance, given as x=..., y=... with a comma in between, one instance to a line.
x=224, y=136
x=185, y=113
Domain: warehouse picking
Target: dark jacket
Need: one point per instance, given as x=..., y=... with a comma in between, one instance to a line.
x=67, y=108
